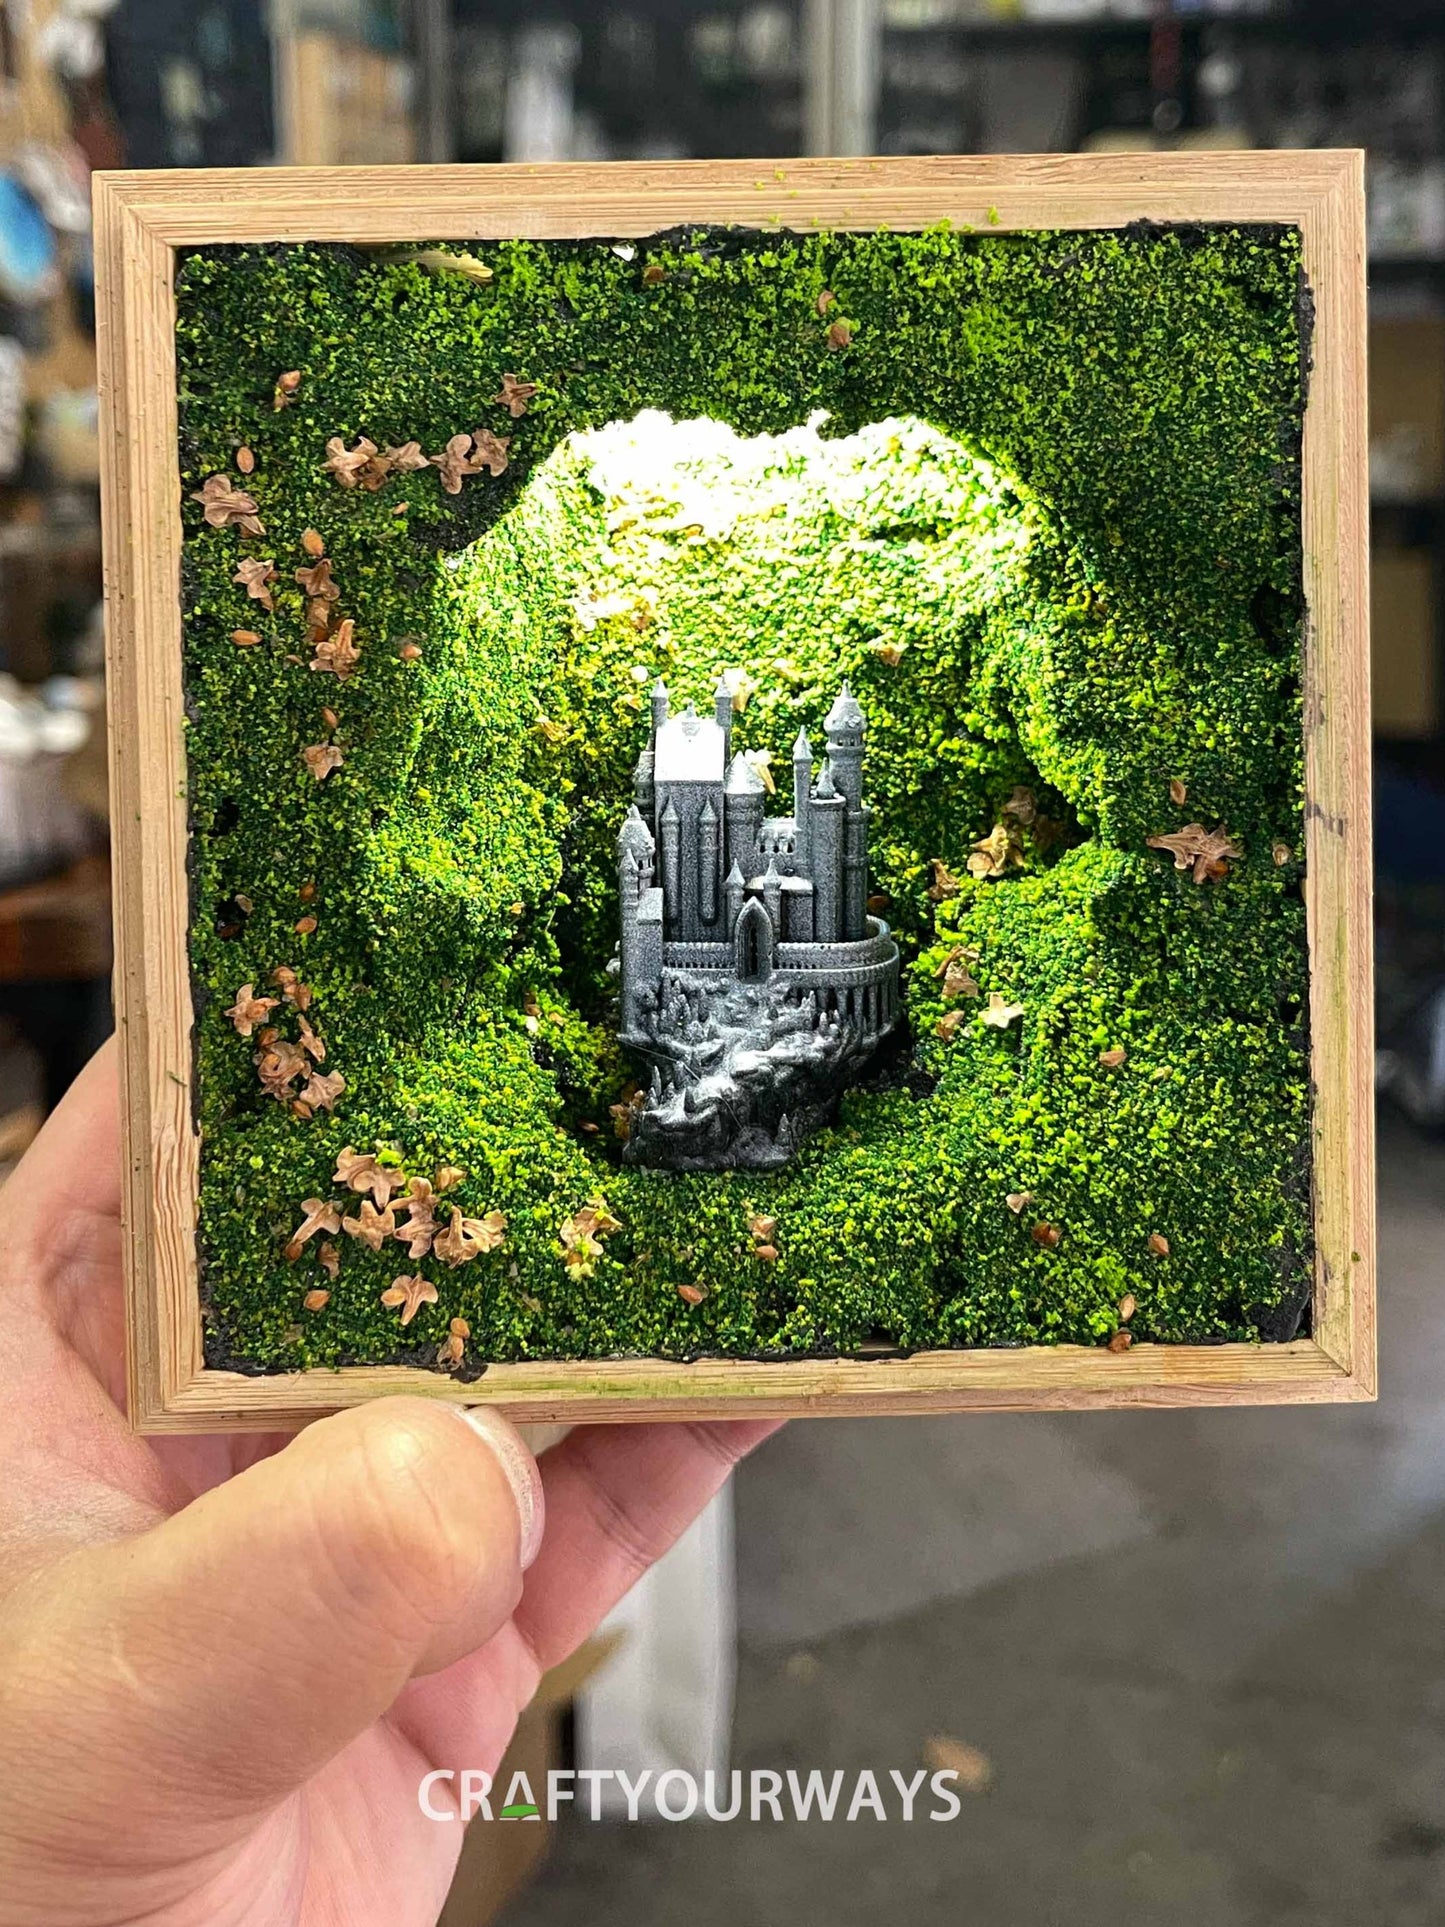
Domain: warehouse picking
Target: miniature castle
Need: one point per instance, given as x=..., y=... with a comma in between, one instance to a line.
x=749, y=963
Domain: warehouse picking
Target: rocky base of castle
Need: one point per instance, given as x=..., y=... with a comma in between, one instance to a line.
x=739, y=1073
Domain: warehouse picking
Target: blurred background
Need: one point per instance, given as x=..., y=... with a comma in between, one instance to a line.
x=1191, y=1666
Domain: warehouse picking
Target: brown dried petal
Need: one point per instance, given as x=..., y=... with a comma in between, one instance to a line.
x=1158, y=1244
x=1121, y=1341
x=410, y=1294
x=1111, y=1059
x=321, y=759
x=313, y=542
x=1016, y=1200
x=515, y=395
x=1202, y=850
x=248, y=1010
x=361, y=1171
x=316, y=580
x=490, y=451
x=371, y=1226
x=1046, y=1234
x=346, y=463
x=691, y=1294
x=256, y=576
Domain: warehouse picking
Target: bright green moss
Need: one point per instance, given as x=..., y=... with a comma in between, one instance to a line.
x=1081, y=576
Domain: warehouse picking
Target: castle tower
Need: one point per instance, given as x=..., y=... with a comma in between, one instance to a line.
x=773, y=897
x=643, y=790
x=845, y=727
x=708, y=862
x=671, y=854
x=659, y=705
x=634, y=880
x=722, y=709
x=802, y=784
x=743, y=808
x=826, y=817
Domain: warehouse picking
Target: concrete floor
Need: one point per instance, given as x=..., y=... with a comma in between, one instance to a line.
x=1204, y=1654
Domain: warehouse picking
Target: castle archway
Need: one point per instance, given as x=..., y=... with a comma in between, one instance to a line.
x=753, y=943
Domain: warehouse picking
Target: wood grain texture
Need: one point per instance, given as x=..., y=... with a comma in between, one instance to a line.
x=143, y=219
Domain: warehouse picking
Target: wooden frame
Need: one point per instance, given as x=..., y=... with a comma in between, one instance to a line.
x=142, y=219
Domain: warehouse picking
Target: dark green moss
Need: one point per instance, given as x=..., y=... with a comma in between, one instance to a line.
x=1080, y=576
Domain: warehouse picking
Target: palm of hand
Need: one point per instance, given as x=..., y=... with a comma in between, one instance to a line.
x=226, y=1662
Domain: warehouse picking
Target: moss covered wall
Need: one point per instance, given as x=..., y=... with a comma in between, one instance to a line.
x=1081, y=579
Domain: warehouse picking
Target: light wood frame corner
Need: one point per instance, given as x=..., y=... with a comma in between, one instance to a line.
x=143, y=220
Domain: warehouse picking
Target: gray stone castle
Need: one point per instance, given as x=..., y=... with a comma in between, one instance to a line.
x=751, y=972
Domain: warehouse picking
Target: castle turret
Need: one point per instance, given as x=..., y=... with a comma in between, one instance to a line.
x=802, y=783
x=845, y=727
x=659, y=705
x=734, y=888
x=709, y=862
x=743, y=808
x=722, y=709
x=826, y=816
x=643, y=789
x=773, y=897
x=671, y=854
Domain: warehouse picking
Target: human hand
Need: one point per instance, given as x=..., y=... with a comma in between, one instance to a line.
x=226, y=1663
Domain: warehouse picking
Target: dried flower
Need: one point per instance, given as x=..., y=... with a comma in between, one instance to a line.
x=826, y=300
x=249, y=1010
x=1178, y=790
x=762, y=1228
x=420, y=1228
x=319, y=1215
x=691, y=1294
x=322, y=1089
x=337, y=653
x=766, y=1254
x=945, y=883
x=1203, y=850
x=312, y=1042
x=1001, y=1014
x=490, y=451
x=245, y=638
x=890, y=654
x=466, y=1238
x=448, y=1176
x=410, y=652
x=454, y=462
x=1128, y=1305
x=256, y=576
x=411, y=1294
x=313, y=542
x=403, y=460
x=1016, y=1200
x=948, y=1024
x=330, y=1259
x=316, y=581
x=1111, y=1059
x=996, y=852
x=1120, y=1342
x=1158, y=1244
x=224, y=504
x=346, y=463
x=840, y=333
x=316, y=1300
x=1021, y=804
x=278, y=1064
x=291, y=987
x=371, y=1226
x=245, y=460
x=515, y=395
x=363, y=1172
x=1046, y=1234
x=958, y=981
x=321, y=759
x=453, y=1347
x=1281, y=852
x=285, y=390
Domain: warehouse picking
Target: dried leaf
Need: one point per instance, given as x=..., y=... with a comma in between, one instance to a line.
x=1000, y=1014
x=1178, y=790
x=337, y=653
x=371, y=1226
x=515, y=395
x=490, y=451
x=319, y=1214
x=249, y=1010
x=1202, y=850
x=346, y=463
x=1046, y=1234
x=316, y=580
x=223, y=504
x=313, y=542
x=948, y=1024
x=363, y=1172
x=1016, y=1200
x=410, y=1294
x=316, y=1300
x=1121, y=1341
x=1158, y=1244
x=256, y=576
x=1111, y=1059
x=321, y=759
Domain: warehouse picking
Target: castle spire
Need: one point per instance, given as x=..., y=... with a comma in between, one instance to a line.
x=802, y=779
x=659, y=704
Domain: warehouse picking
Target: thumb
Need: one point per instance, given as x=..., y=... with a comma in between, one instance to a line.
x=241, y=1644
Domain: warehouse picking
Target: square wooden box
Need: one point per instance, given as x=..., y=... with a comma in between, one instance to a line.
x=143, y=219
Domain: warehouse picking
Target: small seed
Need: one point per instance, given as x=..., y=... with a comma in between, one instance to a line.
x=1178, y=791
x=245, y=638
x=691, y=1294
x=1112, y=1059
x=587, y=1127
x=766, y=1254
x=1282, y=853
x=304, y=926
x=245, y=460
x=307, y=892
x=330, y=718
x=243, y=904
x=410, y=652
x=1158, y=1244
x=839, y=334
x=652, y=274
x=1047, y=1235
x=826, y=300
x=313, y=542
x=1127, y=1307
x=316, y=1300
x=1121, y=1341
x=290, y=381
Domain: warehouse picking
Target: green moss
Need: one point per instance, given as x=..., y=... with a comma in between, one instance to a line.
x=1050, y=526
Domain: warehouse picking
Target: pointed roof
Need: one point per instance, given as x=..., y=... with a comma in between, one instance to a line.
x=802, y=749
x=659, y=688
x=743, y=779
x=707, y=814
x=634, y=836
x=825, y=785
x=845, y=713
x=771, y=874
x=669, y=814
x=734, y=877
x=724, y=687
